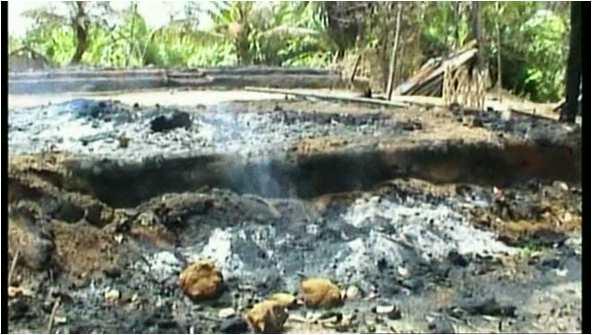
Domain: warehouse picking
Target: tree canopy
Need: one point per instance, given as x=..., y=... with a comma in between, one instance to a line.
x=531, y=38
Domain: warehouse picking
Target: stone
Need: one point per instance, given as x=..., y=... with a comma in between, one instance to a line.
x=201, y=280
x=268, y=316
x=490, y=307
x=441, y=325
x=285, y=299
x=168, y=122
x=320, y=292
x=561, y=185
x=476, y=122
x=457, y=259
x=123, y=141
x=14, y=291
x=60, y=320
x=506, y=115
x=226, y=312
x=403, y=271
x=391, y=311
x=148, y=219
x=352, y=293
x=112, y=295
x=234, y=325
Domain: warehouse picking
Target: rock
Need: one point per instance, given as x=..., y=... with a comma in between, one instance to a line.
x=285, y=299
x=148, y=219
x=457, y=259
x=234, y=325
x=226, y=312
x=168, y=122
x=268, y=316
x=476, y=122
x=391, y=311
x=201, y=280
x=506, y=115
x=561, y=185
x=352, y=293
x=381, y=265
x=14, y=291
x=123, y=141
x=320, y=292
x=551, y=263
x=413, y=284
x=489, y=307
x=162, y=266
x=112, y=295
x=403, y=272
x=441, y=325
x=60, y=320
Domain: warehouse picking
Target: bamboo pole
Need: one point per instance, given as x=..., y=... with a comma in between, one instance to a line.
x=394, y=54
x=329, y=97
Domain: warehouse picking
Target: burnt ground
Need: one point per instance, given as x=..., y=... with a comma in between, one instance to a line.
x=464, y=221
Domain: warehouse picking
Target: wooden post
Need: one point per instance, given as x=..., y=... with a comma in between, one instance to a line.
x=353, y=75
x=391, y=77
x=476, y=31
x=574, y=64
x=12, y=266
x=499, y=51
x=54, y=310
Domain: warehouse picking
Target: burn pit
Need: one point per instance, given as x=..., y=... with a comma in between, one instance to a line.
x=257, y=152
x=276, y=193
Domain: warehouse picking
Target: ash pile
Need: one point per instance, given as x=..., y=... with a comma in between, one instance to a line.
x=168, y=219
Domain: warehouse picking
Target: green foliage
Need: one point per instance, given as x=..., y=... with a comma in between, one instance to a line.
x=281, y=34
x=56, y=43
x=546, y=51
x=533, y=51
x=534, y=47
x=444, y=30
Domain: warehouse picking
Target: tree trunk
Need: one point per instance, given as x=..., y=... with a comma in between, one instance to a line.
x=476, y=31
x=80, y=23
x=456, y=8
x=391, y=77
x=574, y=64
x=499, y=51
x=400, y=64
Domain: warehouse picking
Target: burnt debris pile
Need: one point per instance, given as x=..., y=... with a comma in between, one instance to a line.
x=290, y=216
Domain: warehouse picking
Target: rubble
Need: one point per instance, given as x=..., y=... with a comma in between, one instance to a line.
x=352, y=293
x=112, y=295
x=489, y=306
x=399, y=216
x=390, y=311
x=172, y=121
x=226, y=313
x=234, y=325
x=429, y=79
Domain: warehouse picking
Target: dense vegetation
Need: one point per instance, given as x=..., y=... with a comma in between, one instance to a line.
x=531, y=38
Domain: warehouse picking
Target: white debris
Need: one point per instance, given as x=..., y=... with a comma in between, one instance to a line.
x=434, y=230
x=161, y=266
